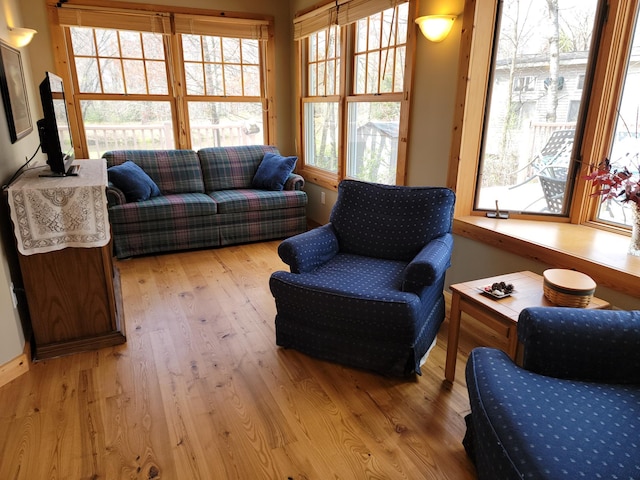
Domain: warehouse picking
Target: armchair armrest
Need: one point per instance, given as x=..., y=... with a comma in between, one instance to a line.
x=429, y=265
x=115, y=196
x=307, y=251
x=294, y=182
x=580, y=344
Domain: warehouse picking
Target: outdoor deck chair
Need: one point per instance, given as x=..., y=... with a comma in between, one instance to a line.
x=551, y=158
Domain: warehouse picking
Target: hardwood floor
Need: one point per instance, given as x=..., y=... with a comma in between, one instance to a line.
x=201, y=391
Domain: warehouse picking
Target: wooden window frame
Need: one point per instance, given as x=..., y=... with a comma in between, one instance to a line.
x=577, y=241
x=162, y=19
x=474, y=67
x=344, y=12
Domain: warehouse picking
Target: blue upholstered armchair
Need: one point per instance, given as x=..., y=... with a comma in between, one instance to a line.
x=366, y=289
x=571, y=411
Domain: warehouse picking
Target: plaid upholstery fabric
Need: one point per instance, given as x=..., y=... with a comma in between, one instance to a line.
x=184, y=217
x=115, y=196
x=174, y=171
x=261, y=225
x=233, y=201
x=164, y=207
x=227, y=168
x=169, y=235
x=294, y=182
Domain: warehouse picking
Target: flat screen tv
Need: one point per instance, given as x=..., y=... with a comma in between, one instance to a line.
x=54, y=128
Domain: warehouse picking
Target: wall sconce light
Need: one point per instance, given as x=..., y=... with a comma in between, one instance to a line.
x=21, y=37
x=436, y=27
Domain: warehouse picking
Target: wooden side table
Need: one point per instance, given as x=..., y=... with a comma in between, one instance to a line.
x=500, y=315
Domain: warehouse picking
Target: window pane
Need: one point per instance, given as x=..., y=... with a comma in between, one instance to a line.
x=373, y=141
x=380, y=52
x=157, y=78
x=88, y=75
x=323, y=64
x=131, y=44
x=195, y=78
x=135, y=77
x=118, y=125
x=223, y=124
x=531, y=121
x=251, y=76
x=191, y=48
x=153, y=46
x=250, y=52
x=232, y=80
x=625, y=151
x=321, y=135
x=112, y=77
x=231, y=50
x=82, y=41
x=212, y=47
x=107, y=43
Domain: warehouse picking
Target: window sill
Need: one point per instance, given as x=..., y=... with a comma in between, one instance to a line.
x=601, y=255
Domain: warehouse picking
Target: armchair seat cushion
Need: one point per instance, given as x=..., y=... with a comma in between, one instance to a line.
x=537, y=427
x=368, y=290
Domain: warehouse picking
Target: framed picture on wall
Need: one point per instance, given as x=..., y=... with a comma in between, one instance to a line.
x=14, y=93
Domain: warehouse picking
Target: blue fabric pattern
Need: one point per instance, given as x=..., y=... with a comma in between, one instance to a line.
x=307, y=251
x=273, y=171
x=568, y=343
x=133, y=181
x=370, y=218
x=349, y=300
x=525, y=424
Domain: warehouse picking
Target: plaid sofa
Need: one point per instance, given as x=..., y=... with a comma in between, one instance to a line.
x=206, y=201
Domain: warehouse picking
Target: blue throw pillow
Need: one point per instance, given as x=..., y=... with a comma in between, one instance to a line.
x=273, y=171
x=133, y=181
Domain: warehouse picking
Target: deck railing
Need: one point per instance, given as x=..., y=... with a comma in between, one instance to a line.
x=102, y=138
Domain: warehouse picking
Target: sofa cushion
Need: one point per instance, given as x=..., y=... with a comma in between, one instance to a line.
x=234, y=201
x=133, y=181
x=273, y=171
x=174, y=171
x=163, y=207
x=227, y=168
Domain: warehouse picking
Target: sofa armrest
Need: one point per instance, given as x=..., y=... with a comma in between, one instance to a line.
x=294, y=182
x=115, y=196
x=307, y=251
x=429, y=265
x=580, y=344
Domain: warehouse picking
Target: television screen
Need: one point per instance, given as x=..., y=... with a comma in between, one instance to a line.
x=54, y=128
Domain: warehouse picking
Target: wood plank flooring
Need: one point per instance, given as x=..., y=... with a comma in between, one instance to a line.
x=200, y=391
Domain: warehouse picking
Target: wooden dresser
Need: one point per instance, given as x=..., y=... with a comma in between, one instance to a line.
x=72, y=288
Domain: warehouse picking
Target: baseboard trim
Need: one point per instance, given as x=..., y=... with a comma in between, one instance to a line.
x=14, y=368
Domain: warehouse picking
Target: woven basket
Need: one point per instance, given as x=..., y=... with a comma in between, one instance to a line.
x=568, y=288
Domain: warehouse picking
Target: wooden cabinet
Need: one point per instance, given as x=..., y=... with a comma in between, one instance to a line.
x=74, y=300
x=62, y=234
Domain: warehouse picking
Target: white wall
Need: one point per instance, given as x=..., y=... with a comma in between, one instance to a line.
x=12, y=156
